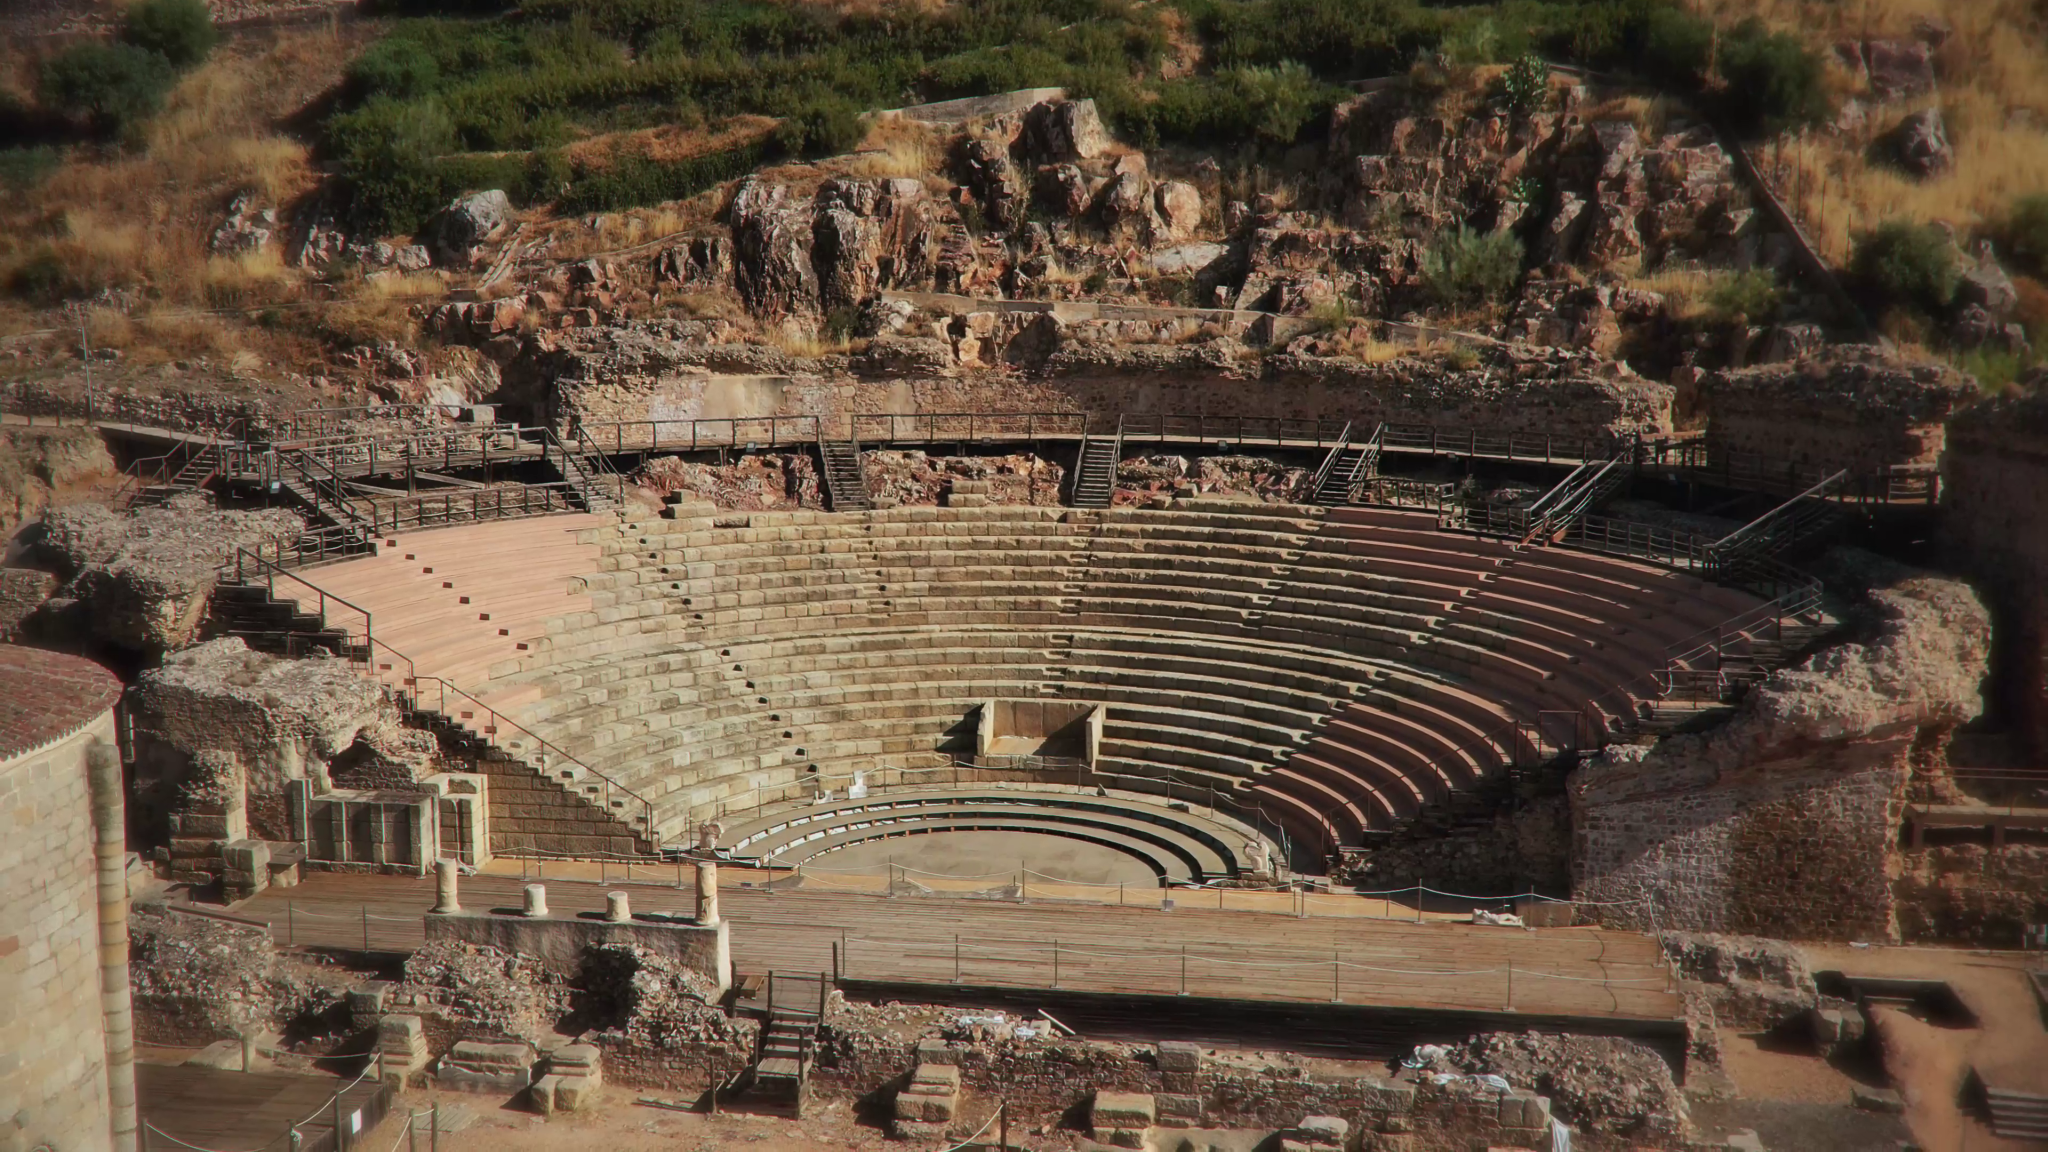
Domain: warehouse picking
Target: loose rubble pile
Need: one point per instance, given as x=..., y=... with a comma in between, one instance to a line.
x=484, y=991
x=633, y=996
x=1595, y=1083
x=906, y=478
x=757, y=482
x=196, y=980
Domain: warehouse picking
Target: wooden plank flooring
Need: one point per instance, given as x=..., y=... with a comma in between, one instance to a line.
x=232, y=1109
x=1585, y=972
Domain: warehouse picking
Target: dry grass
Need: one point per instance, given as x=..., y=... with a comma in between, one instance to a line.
x=142, y=218
x=1684, y=290
x=1994, y=63
x=897, y=147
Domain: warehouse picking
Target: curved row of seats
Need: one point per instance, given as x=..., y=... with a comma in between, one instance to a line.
x=1177, y=847
x=1338, y=671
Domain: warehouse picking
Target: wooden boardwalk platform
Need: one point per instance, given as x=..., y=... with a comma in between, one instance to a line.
x=1587, y=973
x=213, y=1108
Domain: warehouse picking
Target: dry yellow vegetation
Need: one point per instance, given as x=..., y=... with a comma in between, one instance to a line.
x=1993, y=97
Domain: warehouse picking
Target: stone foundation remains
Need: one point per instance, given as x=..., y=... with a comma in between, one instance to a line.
x=1782, y=821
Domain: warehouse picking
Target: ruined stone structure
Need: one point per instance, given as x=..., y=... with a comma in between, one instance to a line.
x=67, y=1077
x=1995, y=476
x=1781, y=822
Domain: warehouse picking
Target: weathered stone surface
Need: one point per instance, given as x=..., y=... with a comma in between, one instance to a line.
x=773, y=267
x=1180, y=210
x=283, y=719
x=466, y=224
x=1752, y=982
x=1781, y=821
x=1899, y=68
x=146, y=574
x=1054, y=132
x=1922, y=140
x=1848, y=408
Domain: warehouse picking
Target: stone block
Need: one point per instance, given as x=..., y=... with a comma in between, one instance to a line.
x=247, y=856
x=933, y=1050
x=576, y=1093
x=1177, y=1106
x=1391, y=1097
x=1113, y=1110
x=935, y=1078
x=1323, y=1129
x=1524, y=1110
x=366, y=1002
x=543, y=1094
x=1882, y=1100
x=1179, y=1056
x=1185, y=1083
x=576, y=1060
x=474, y=1066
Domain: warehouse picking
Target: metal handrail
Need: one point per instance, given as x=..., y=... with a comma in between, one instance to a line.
x=498, y=720
x=245, y=559
x=1329, y=463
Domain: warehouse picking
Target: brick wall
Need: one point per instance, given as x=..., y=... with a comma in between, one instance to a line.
x=53, y=1085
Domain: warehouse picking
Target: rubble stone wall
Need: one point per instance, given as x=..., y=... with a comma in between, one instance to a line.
x=657, y=372
x=55, y=1070
x=284, y=719
x=1842, y=409
x=1995, y=497
x=1972, y=893
x=1780, y=823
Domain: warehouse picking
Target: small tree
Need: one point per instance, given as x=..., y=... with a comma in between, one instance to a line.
x=1774, y=80
x=181, y=31
x=1526, y=84
x=109, y=86
x=1677, y=46
x=400, y=69
x=1469, y=267
x=1902, y=263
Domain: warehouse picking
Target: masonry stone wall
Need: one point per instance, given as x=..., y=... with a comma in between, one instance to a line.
x=53, y=1074
x=1781, y=822
x=1845, y=409
x=1995, y=496
x=1972, y=893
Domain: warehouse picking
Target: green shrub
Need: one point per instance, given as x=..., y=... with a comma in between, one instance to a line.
x=1677, y=47
x=388, y=155
x=2024, y=233
x=398, y=68
x=633, y=181
x=830, y=127
x=1773, y=79
x=1241, y=104
x=1469, y=267
x=1751, y=297
x=180, y=31
x=28, y=167
x=1901, y=264
x=1526, y=84
x=109, y=86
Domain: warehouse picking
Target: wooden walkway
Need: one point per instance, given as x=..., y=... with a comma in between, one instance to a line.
x=1245, y=956
x=214, y=1108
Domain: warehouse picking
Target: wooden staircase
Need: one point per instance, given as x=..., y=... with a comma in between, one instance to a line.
x=846, y=487
x=787, y=1046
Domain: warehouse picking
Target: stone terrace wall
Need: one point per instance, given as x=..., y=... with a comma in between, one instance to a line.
x=1844, y=409
x=668, y=370
x=1995, y=492
x=1973, y=893
x=53, y=1073
x=1781, y=822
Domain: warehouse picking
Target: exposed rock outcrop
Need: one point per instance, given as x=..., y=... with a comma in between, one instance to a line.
x=1847, y=408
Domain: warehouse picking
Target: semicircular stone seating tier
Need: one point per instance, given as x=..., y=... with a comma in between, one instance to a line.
x=1337, y=671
